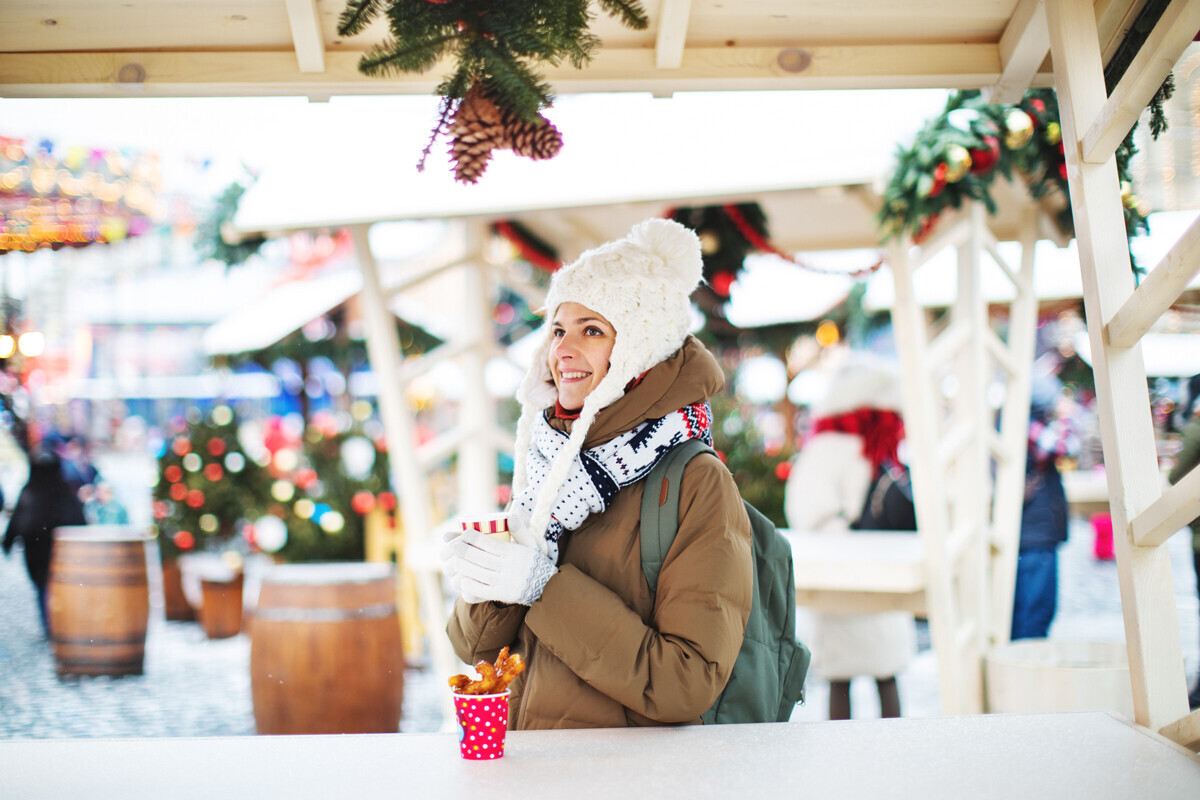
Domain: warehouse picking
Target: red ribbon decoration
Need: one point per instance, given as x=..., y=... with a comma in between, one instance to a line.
x=526, y=250
x=760, y=243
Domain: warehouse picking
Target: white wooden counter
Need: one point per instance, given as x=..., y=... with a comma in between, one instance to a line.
x=859, y=571
x=1085, y=755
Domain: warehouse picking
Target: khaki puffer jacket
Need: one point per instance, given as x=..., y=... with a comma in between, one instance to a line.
x=600, y=649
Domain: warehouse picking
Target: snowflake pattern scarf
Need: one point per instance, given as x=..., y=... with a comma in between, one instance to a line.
x=598, y=474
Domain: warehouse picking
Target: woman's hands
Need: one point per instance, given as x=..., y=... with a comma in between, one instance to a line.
x=483, y=568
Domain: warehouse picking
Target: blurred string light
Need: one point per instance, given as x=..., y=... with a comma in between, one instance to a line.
x=827, y=333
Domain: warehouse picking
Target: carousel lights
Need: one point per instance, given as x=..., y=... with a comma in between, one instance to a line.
x=8, y=346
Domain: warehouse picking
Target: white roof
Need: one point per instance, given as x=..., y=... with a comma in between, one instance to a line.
x=618, y=149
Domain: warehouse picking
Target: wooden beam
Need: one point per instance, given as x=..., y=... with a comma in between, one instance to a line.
x=1024, y=45
x=306, y=35
x=672, y=33
x=1158, y=291
x=1184, y=731
x=1131, y=463
x=1178, y=506
x=1175, y=30
x=216, y=74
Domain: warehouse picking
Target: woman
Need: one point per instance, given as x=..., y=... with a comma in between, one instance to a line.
x=856, y=432
x=616, y=383
x=45, y=503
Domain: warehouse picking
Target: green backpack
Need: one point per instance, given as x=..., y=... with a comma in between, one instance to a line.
x=768, y=676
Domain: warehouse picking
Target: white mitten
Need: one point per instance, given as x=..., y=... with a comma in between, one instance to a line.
x=449, y=556
x=503, y=572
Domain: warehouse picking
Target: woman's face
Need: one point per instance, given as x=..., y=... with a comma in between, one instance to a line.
x=583, y=343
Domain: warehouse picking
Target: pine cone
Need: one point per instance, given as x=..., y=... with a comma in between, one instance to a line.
x=476, y=130
x=537, y=140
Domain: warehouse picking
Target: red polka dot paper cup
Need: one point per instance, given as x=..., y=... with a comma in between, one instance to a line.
x=482, y=724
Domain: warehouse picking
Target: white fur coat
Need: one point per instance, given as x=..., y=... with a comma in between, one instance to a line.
x=825, y=493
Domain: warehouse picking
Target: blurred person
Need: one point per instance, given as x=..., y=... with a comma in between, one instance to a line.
x=615, y=384
x=1185, y=461
x=1052, y=435
x=76, y=466
x=855, y=438
x=45, y=503
x=101, y=507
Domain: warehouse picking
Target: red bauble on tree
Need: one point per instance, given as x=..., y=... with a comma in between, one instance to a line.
x=984, y=158
x=721, y=283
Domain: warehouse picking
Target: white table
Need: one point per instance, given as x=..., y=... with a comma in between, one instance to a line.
x=859, y=571
x=1083, y=755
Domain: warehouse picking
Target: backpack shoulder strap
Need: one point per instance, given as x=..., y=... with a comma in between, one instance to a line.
x=660, y=506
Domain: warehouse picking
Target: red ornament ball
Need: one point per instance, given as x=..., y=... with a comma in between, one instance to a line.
x=214, y=472
x=195, y=498
x=181, y=446
x=184, y=540
x=939, y=180
x=306, y=477
x=783, y=469
x=984, y=158
x=721, y=283
x=178, y=491
x=1062, y=170
x=362, y=502
x=216, y=447
x=173, y=473
x=387, y=501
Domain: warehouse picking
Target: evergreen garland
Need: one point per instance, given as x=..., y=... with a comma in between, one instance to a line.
x=210, y=243
x=957, y=156
x=496, y=45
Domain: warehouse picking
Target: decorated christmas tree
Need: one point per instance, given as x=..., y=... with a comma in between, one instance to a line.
x=324, y=483
x=208, y=487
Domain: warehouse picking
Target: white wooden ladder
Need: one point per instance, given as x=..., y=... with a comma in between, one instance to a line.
x=969, y=536
x=1118, y=314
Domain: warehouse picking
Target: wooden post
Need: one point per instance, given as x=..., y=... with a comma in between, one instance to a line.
x=477, y=464
x=1147, y=597
x=1014, y=433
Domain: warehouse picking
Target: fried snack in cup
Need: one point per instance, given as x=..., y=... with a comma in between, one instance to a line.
x=495, y=525
x=494, y=678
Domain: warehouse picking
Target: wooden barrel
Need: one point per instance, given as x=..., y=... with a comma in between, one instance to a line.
x=221, y=613
x=99, y=600
x=325, y=650
x=175, y=604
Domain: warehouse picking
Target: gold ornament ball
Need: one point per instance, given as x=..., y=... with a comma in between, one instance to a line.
x=1019, y=129
x=958, y=163
x=1053, y=133
x=709, y=243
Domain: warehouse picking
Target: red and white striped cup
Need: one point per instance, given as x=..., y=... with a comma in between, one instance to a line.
x=495, y=524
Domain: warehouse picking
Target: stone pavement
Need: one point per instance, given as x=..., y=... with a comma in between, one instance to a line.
x=194, y=686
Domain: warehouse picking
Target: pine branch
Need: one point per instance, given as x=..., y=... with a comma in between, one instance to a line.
x=512, y=84
x=630, y=12
x=445, y=109
x=392, y=57
x=1158, y=118
x=357, y=15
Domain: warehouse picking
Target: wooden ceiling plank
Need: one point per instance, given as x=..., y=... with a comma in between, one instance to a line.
x=216, y=74
x=306, y=34
x=1023, y=47
x=1174, y=31
x=672, y=33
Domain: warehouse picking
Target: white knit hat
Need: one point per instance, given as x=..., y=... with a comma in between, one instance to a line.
x=861, y=380
x=641, y=284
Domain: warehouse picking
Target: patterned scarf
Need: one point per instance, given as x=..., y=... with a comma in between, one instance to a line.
x=598, y=474
x=880, y=430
